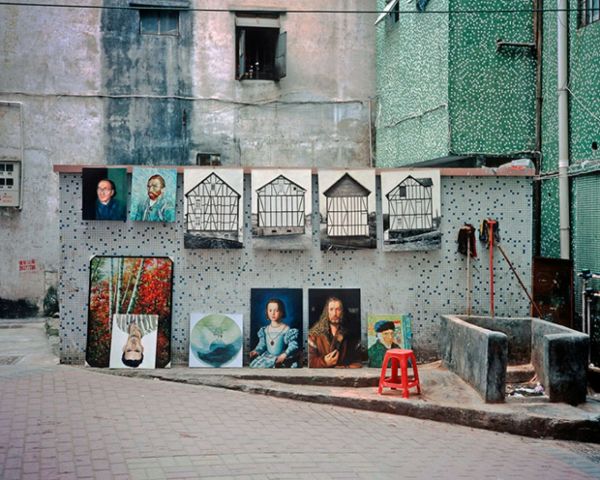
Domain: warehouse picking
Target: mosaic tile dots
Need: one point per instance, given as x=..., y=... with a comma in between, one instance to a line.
x=425, y=284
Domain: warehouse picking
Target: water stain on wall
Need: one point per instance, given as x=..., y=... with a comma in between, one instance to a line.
x=148, y=78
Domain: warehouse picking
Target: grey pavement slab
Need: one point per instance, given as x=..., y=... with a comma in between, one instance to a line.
x=24, y=345
x=70, y=422
x=445, y=397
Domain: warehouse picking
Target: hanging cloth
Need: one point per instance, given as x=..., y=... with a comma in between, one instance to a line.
x=484, y=232
x=466, y=240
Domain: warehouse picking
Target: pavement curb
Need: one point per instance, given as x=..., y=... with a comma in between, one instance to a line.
x=529, y=425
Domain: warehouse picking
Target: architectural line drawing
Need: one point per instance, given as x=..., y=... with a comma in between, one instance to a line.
x=281, y=207
x=411, y=206
x=347, y=208
x=212, y=206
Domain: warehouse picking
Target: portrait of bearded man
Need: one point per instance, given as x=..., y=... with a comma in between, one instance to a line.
x=159, y=202
x=331, y=343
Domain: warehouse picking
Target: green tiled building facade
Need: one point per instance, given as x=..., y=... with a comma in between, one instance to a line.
x=446, y=90
x=584, y=131
x=459, y=80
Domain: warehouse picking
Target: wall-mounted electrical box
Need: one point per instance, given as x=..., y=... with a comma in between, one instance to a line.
x=10, y=184
x=11, y=154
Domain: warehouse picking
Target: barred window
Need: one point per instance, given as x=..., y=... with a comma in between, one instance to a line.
x=589, y=11
x=159, y=22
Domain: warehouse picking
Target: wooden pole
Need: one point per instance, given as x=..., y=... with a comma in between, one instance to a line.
x=520, y=281
x=469, y=276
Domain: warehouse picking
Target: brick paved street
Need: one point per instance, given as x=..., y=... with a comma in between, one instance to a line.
x=66, y=422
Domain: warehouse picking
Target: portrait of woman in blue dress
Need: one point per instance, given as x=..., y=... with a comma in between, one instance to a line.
x=278, y=343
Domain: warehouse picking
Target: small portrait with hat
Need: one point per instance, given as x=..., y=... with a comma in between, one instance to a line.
x=385, y=332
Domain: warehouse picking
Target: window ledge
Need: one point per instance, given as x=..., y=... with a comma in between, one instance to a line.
x=166, y=4
x=257, y=81
x=585, y=25
x=258, y=11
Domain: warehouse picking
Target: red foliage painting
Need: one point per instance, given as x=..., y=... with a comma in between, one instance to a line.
x=135, y=285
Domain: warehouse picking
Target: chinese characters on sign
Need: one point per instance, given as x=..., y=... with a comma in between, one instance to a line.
x=27, y=266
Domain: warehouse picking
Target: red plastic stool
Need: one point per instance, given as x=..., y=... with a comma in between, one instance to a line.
x=399, y=356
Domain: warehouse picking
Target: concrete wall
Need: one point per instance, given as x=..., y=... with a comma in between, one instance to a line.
x=50, y=65
x=476, y=348
x=178, y=95
x=518, y=334
x=318, y=115
x=478, y=355
x=149, y=82
x=95, y=91
x=424, y=284
x=560, y=358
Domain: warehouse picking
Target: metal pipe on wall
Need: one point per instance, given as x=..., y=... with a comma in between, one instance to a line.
x=538, y=25
x=563, y=127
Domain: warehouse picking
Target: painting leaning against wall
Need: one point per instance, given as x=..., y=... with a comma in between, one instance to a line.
x=275, y=328
x=133, y=342
x=216, y=340
x=385, y=332
x=128, y=285
x=334, y=335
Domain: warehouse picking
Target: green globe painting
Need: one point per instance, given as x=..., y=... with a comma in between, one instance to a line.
x=215, y=340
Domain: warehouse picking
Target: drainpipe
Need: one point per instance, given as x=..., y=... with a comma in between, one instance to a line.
x=370, y=133
x=538, y=23
x=563, y=128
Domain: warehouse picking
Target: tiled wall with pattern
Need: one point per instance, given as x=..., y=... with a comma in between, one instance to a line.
x=425, y=284
x=443, y=86
x=584, y=141
x=491, y=90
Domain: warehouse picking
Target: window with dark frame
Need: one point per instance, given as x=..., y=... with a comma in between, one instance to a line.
x=390, y=13
x=394, y=15
x=589, y=12
x=208, y=159
x=260, y=47
x=159, y=22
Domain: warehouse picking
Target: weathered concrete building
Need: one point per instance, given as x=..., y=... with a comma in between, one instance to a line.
x=240, y=82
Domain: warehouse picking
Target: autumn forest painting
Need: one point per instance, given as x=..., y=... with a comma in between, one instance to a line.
x=128, y=285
